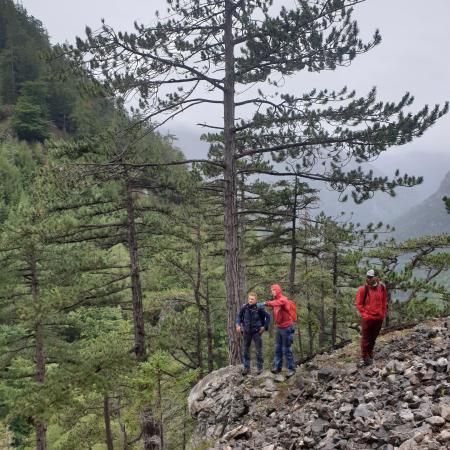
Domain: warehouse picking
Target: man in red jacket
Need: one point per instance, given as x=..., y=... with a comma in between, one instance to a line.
x=284, y=331
x=371, y=301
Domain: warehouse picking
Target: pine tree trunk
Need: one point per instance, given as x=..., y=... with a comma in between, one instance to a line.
x=310, y=330
x=198, y=279
x=230, y=212
x=321, y=317
x=209, y=330
x=107, y=420
x=136, y=291
x=123, y=436
x=309, y=309
x=149, y=427
x=13, y=74
x=293, y=262
x=335, y=300
x=300, y=340
x=389, y=299
x=40, y=427
x=160, y=406
x=292, y=265
x=41, y=441
x=242, y=228
x=122, y=428
x=198, y=344
x=185, y=428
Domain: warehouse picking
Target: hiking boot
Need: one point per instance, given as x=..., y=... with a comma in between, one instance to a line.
x=365, y=362
x=259, y=372
x=245, y=371
x=274, y=370
x=290, y=373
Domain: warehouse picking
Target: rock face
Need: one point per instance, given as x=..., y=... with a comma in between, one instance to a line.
x=401, y=402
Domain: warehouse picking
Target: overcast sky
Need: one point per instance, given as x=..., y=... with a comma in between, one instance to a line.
x=414, y=56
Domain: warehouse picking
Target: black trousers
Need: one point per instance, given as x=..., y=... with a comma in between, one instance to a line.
x=257, y=339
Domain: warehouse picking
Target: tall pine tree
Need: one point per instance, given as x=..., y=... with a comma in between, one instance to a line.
x=226, y=47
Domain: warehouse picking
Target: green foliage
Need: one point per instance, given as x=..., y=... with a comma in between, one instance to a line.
x=43, y=95
x=447, y=203
x=61, y=100
x=20, y=429
x=65, y=258
x=22, y=38
x=10, y=186
x=416, y=272
x=420, y=309
x=333, y=127
x=30, y=115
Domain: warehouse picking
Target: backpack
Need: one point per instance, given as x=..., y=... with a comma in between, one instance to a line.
x=292, y=310
x=366, y=292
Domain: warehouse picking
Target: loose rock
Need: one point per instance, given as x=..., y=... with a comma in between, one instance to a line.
x=401, y=402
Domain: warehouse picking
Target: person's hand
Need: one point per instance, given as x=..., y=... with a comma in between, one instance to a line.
x=261, y=330
x=238, y=328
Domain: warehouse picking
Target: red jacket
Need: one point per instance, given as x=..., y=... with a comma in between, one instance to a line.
x=280, y=307
x=375, y=305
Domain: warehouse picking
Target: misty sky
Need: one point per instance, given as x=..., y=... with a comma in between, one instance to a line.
x=414, y=56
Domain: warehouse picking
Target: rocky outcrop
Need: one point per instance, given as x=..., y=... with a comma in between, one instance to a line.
x=401, y=402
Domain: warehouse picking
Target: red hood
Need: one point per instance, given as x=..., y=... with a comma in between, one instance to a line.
x=280, y=308
x=277, y=289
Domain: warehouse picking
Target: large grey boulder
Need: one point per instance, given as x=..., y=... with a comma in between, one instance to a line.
x=217, y=384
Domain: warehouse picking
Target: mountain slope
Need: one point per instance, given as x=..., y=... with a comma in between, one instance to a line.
x=402, y=401
x=428, y=217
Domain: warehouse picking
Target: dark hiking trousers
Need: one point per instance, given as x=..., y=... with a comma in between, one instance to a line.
x=283, y=342
x=370, y=329
x=256, y=338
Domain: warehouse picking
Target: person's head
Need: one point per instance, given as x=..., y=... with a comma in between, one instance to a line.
x=370, y=277
x=251, y=298
x=275, y=290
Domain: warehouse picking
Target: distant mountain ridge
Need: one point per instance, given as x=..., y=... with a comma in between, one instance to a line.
x=428, y=217
x=381, y=208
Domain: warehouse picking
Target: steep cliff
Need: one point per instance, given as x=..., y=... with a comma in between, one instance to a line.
x=402, y=401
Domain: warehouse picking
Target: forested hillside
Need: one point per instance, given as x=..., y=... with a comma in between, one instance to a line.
x=428, y=216
x=123, y=265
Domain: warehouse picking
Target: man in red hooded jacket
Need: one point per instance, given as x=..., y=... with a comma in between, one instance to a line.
x=371, y=302
x=284, y=331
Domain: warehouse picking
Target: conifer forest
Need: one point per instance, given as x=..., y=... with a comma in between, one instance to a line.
x=124, y=262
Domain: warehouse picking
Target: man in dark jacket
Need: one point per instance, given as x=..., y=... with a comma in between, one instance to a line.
x=252, y=321
x=371, y=302
x=284, y=330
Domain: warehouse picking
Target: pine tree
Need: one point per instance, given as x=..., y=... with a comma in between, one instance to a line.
x=22, y=38
x=277, y=212
x=226, y=46
x=123, y=197
x=411, y=271
x=30, y=114
x=43, y=277
x=447, y=203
